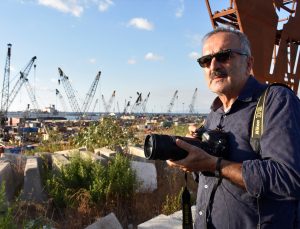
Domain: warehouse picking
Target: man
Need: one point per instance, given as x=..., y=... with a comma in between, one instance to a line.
x=250, y=189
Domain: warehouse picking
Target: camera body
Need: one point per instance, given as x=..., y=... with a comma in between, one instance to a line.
x=163, y=147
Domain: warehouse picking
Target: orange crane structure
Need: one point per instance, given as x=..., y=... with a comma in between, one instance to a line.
x=272, y=27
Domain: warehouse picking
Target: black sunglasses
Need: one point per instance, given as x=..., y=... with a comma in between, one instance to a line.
x=221, y=56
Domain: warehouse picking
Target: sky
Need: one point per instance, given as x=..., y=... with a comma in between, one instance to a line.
x=138, y=45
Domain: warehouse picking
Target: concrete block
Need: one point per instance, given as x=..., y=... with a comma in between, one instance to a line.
x=138, y=154
x=7, y=175
x=161, y=222
x=59, y=160
x=146, y=174
x=173, y=221
x=105, y=152
x=18, y=159
x=178, y=215
x=102, y=160
x=136, y=151
x=33, y=189
x=47, y=157
x=86, y=155
x=68, y=153
x=108, y=222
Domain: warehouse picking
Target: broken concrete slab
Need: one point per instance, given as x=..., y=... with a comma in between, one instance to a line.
x=173, y=221
x=161, y=222
x=7, y=175
x=105, y=152
x=146, y=174
x=138, y=154
x=137, y=151
x=108, y=222
x=68, y=153
x=17, y=159
x=59, y=160
x=33, y=188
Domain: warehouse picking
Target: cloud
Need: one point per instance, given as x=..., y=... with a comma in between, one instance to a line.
x=194, y=55
x=180, y=9
x=104, y=5
x=66, y=6
x=140, y=23
x=131, y=61
x=195, y=40
x=92, y=60
x=153, y=57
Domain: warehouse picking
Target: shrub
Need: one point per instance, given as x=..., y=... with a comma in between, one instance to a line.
x=121, y=179
x=172, y=203
x=6, y=213
x=84, y=179
x=107, y=133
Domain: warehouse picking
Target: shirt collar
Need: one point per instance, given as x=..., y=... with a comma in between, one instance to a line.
x=251, y=92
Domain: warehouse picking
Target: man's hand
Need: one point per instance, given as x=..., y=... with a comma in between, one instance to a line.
x=197, y=159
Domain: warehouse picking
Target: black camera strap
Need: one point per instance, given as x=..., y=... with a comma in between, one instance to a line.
x=187, y=220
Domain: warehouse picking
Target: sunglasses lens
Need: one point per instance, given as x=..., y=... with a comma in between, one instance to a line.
x=223, y=56
x=205, y=61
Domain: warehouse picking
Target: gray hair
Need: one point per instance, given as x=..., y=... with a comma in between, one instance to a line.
x=244, y=41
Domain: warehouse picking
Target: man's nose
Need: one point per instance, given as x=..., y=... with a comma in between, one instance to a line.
x=214, y=64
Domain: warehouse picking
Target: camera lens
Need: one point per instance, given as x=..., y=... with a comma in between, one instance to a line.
x=163, y=147
x=148, y=147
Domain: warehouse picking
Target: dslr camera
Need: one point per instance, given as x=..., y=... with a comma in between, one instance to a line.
x=163, y=147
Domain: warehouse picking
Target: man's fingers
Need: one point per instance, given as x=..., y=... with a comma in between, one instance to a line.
x=184, y=145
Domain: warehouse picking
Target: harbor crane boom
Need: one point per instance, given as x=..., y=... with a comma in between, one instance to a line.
x=61, y=98
x=104, y=104
x=91, y=93
x=95, y=104
x=127, y=105
x=69, y=91
x=136, y=105
x=5, y=87
x=192, y=105
x=22, y=79
x=171, y=104
x=144, y=104
x=108, y=105
x=31, y=94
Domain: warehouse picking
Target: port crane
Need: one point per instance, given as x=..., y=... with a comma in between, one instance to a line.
x=69, y=91
x=192, y=105
x=95, y=104
x=5, y=89
x=127, y=105
x=108, y=105
x=136, y=105
x=22, y=80
x=144, y=103
x=61, y=98
x=31, y=94
x=172, y=102
x=90, y=95
x=118, y=107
